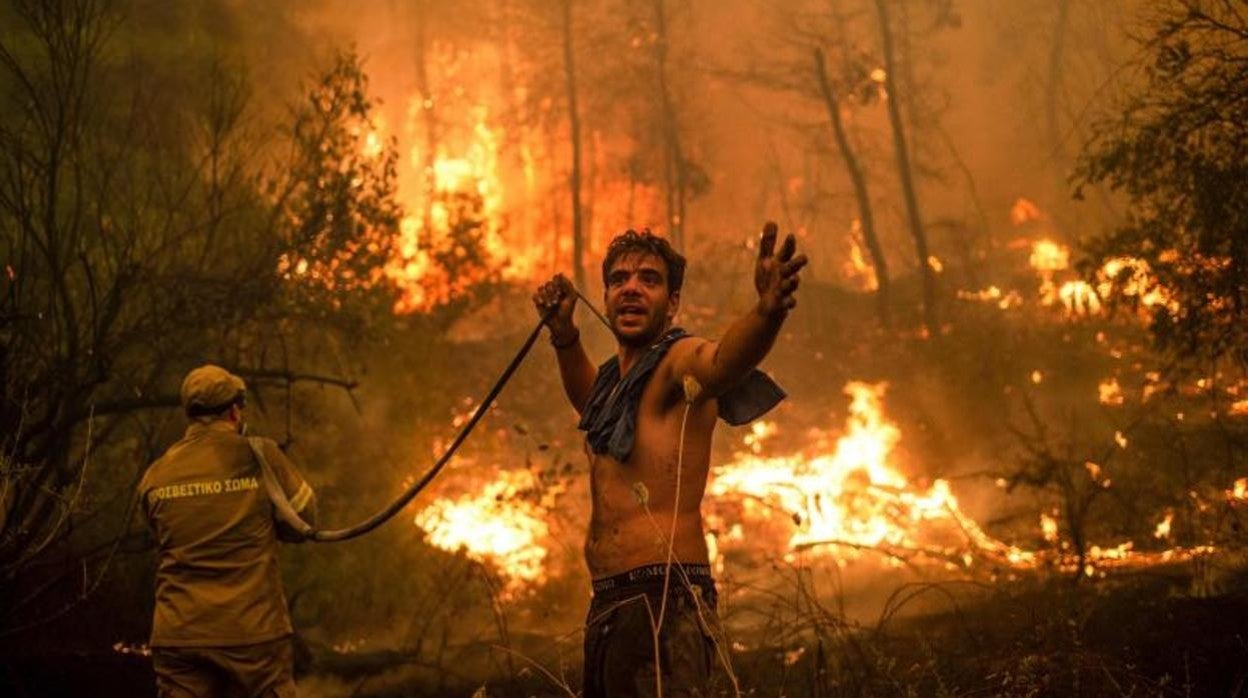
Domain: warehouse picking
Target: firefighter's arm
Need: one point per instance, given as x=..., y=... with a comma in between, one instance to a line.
x=298, y=491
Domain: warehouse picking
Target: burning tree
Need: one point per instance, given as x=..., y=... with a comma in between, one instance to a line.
x=853, y=62
x=857, y=176
x=905, y=171
x=1177, y=151
x=337, y=213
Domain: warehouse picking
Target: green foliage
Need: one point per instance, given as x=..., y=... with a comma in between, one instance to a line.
x=137, y=239
x=462, y=253
x=338, y=213
x=1179, y=152
x=127, y=225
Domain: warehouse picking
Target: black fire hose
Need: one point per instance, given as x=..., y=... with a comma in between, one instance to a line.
x=287, y=513
x=372, y=522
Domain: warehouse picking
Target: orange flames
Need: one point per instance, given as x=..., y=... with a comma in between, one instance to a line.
x=1079, y=299
x=858, y=270
x=1239, y=491
x=454, y=196
x=485, y=192
x=1110, y=393
x=844, y=498
x=992, y=294
x=1134, y=278
x=497, y=526
x=1127, y=277
x=1024, y=211
x=854, y=500
x=1049, y=256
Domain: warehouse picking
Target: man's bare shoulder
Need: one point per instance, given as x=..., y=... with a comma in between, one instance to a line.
x=689, y=344
x=679, y=361
x=684, y=351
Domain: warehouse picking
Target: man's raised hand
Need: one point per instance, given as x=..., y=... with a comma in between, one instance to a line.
x=776, y=274
x=555, y=300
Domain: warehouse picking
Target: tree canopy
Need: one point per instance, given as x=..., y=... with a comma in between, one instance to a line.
x=1177, y=148
x=145, y=217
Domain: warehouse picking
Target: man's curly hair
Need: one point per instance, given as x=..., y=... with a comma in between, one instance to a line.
x=646, y=242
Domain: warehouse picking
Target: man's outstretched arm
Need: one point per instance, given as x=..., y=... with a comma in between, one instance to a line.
x=718, y=366
x=555, y=301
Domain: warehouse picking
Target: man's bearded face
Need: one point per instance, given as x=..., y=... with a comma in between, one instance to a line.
x=639, y=304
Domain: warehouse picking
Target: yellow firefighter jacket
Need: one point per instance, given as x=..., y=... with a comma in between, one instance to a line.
x=218, y=582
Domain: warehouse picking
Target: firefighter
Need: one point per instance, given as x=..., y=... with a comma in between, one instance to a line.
x=220, y=624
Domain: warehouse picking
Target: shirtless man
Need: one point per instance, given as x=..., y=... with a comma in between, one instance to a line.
x=646, y=549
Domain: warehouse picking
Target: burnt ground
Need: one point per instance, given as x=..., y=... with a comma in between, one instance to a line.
x=1144, y=636
x=1149, y=634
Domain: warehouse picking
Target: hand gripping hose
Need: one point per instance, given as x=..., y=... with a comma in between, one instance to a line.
x=287, y=514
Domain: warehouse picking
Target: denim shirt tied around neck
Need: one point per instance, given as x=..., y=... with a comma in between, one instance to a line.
x=610, y=415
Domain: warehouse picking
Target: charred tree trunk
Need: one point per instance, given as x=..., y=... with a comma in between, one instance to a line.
x=905, y=174
x=574, y=127
x=589, y=187
x=982, y=229
x=673, y=158
x=1053, y=86
x=1058, y=158
x=856, y=175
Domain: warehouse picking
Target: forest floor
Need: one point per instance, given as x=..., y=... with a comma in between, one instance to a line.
x=1164, y=633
